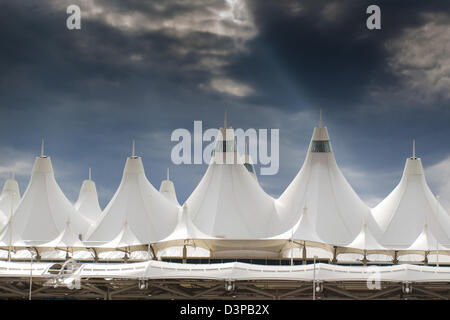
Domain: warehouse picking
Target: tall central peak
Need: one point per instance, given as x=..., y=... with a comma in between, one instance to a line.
x=228, y=202
x=335, y=210
x=225, y=151
x=320, y=141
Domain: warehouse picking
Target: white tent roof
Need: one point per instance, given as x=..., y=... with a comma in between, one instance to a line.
x=10, y=237
x=43, y=211
x=167, y=189
x=3, y=220
x=426, y=242
x=335, y=209
x=9, y=199
x=151, y=217
x=303, y=230
x=403, y=213
x=87, y=204
x=228, y=202
x=66, y=239
x=185, y=229
x=125, y=238
x=365, y=240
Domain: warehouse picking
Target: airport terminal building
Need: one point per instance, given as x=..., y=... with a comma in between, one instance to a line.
x=230, y=239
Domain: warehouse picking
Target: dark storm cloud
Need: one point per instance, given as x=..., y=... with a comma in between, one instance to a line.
x=325, y=48
x=89, y=92
x=319, y=54
x=139, y=69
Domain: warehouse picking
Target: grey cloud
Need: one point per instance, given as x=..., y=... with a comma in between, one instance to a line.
x=139, y=69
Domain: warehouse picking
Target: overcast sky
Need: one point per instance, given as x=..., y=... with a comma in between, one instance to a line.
x=140, y=69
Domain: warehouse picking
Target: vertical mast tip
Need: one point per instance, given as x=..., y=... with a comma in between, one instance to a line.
x=320, y=119
x=42, y=148
x=225, y=120
x=133, y=149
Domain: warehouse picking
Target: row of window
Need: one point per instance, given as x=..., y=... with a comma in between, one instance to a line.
x=230, y=146
x=320, y=146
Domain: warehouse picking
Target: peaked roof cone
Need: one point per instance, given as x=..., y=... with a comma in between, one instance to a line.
x=426, y=241
x=335, y=209
x=125, y=238
x=304, y=229
x=228, y=202
x=185, y=229
x=66, y=239
x=403, y=213
x=42, y=213
x=365, y=240
x=150, y=216
x=167, y=189
x=87, y=204
x=9, y=199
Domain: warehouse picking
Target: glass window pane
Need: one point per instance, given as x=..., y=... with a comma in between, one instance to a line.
x=320, y=146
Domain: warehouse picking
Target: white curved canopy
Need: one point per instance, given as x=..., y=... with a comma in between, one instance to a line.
x=9, y=199
x=185, y=229
x=3, y=220
x=87, y=204
x=411, y=205
x=335, y=209
x=66, y=239
x=167, y=189
x=228, y=202
x=150, y=216
x=125, y=238
x=43, y=211
x=303, y=230
x=426, y=241
x=365, y=240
